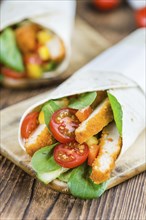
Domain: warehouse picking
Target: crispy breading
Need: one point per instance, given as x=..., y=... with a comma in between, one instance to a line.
x=38, y=140
x=26, y=37
x=100, y=117
x=109, y=149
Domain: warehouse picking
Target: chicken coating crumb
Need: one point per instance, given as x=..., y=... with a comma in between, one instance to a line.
x=95, y=123
x=26, y=37
x=110, y=147
x=42, y=140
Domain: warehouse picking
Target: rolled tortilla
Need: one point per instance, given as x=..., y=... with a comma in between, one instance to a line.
x=124, y=85
x=57, y=16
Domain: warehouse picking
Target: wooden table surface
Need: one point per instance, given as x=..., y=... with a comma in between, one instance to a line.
x=22, y=197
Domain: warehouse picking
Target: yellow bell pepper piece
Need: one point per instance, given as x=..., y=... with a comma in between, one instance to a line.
x=43, y=37
x=44, y=53
x=34, y=71
x=41, y=118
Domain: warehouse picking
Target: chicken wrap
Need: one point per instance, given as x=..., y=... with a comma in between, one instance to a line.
x=77, y=133
x=35, y=40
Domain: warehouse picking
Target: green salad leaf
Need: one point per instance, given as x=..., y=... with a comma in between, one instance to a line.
x=117, y=111
x=49, y=108
x=65, y=176
x=83, y=100
x=10, y=55
x=44, y=165
x=1, y=77
x=43, y=161
x=49, y=66
x=82, y=186
x=51, y=175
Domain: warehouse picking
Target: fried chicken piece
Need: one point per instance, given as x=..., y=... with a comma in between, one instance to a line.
x=100, y=117
x=41, y=137
x=109, y=149
x=56, y=49
x=26, y=37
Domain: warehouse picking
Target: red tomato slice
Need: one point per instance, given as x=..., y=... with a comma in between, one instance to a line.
x=83, y=114
x=106, y=5
x=12, y=73
x=140, y=16
x=93, y=152
x=71, y=155
x=29, y=124
x=63, y=124
x=33, y=59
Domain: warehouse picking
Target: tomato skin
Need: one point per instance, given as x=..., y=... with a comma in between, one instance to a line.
x=12, y=73
x=71, y=155
x=29, y=124
x=93, y=152
x=83, y=114
x=140, y=16
x=32, y=59
x=106, y=5
x=68, y=123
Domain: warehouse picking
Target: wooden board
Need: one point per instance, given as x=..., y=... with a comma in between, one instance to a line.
x=87, y=43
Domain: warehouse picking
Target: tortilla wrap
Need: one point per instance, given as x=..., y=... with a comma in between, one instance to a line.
x=56, y=16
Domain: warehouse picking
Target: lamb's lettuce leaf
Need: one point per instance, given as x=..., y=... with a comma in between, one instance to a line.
x=51, y=175
x=1, y=77
x=117, y=111
x=49, y=108
x=43, y=161
x=10, y=55
x=65, y=176
x=82, y=186
x=49, y=66
x=44, y=165
x=83, y=100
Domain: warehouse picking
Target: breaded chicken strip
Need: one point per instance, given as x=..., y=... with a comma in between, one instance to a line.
x=56, y=49
x=41, y=137
x=100, y=117
x=26, y=37
x=109, y=149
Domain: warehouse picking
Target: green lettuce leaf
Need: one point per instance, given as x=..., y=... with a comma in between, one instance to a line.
x=44, y=165
x=82, y=186
x=43, y=161
x=65, y=176
x=49, y=66
x=83, y=100
x=117, y=111
x=49, y=108
x=10, y=55
x=1, y=77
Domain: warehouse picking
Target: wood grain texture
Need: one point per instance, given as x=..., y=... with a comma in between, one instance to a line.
x=22, y=197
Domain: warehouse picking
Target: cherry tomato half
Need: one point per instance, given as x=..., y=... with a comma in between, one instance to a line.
x=140, y=16
x=29, y=124
x=63, y=124
x=71, y=155
x=12, y=73
x=106, y=5
x=84, y=113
